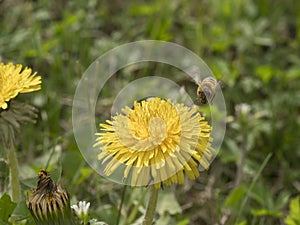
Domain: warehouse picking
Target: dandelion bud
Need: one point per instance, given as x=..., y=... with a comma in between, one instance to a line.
x=49, y=203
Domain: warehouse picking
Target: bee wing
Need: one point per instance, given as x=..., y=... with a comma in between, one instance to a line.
x=194, y=72
x=197, y=80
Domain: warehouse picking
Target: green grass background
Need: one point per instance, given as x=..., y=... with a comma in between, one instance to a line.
x=252, y=46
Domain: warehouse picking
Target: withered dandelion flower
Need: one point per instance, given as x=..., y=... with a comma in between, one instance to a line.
x=157, y=142
x=14, y=80
x=49, y=203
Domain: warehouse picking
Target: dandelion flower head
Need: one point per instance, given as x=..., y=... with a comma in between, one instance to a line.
x=14, y=80
x=156, y=142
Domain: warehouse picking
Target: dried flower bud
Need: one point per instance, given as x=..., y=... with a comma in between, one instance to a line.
x=49, y=203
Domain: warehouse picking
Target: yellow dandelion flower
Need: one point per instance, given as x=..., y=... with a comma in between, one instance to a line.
x=157, y=142
x=14, y=80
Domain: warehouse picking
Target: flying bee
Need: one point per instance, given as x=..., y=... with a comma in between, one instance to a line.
x=206, y=90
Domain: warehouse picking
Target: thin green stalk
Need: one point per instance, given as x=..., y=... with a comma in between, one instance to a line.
x=135, y=209
x=14, y=171
x=241, y=162
x=252, y=185
x=150, y=211
x=121, y=204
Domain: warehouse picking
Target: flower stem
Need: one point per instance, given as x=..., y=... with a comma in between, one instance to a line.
x=148, y=219
x=135, y=209
x=241, y=162
x=121, y=204
x=257, y=175
x=14, y=172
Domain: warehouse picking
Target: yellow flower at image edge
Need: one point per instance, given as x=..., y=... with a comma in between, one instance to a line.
x=14, y=80
x=155, y=142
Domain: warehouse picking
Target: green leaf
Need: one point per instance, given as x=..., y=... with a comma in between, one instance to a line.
x=242, y=223
x=107, y=213
x=85, y=173
x=6, y=207
x=71, y=163
x=235, y=197
x=233, y=154
x=2, y=222
x=294, y=216
x=21, y=212
x=168, y=203
x=184, y=222
x=266, y=212
x=30, y=182
x=164, y=220
x=56, y=173
x=4, y=172
x=265, y=73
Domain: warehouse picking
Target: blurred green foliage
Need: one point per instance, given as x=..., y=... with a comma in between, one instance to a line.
x=294, y=214
x=252, y=46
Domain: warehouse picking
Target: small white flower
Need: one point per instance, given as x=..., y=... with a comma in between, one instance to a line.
x=82, y=209
x=242, y=108
x=95, y=222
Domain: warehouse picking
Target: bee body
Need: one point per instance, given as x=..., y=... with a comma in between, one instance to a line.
x=206, y=90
